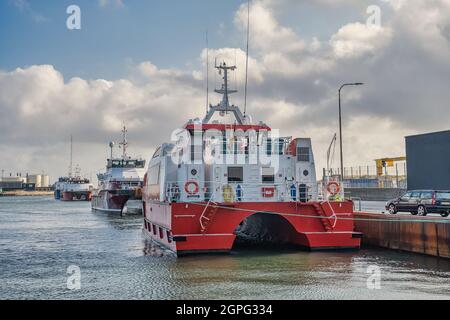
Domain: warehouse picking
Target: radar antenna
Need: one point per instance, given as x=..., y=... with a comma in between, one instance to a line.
x=224, y=90
x=124, y=143
x=111, y=146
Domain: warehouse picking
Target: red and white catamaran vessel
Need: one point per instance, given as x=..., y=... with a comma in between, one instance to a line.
x=217, y=181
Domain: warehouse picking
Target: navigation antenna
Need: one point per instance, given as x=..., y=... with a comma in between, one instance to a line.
x=124, y=143
x=111, y=146
x=71, y=157
x=77, y=171
x=246, y=61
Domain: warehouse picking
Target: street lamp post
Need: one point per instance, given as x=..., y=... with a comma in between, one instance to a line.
x=340, y=125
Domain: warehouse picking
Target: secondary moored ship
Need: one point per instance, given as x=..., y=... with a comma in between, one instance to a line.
x=220, y=180
x=121, y=182
x=73, y=187
x=76, y=189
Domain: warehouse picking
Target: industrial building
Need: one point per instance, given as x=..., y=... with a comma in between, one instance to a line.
x=428, y=161
x=26, y=182
x=12, y=183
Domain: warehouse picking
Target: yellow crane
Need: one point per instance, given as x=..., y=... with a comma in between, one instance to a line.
x=387, y=163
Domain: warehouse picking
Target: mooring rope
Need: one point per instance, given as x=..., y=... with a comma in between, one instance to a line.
x=446, y=221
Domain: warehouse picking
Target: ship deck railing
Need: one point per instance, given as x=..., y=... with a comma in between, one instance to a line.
x=241, y=192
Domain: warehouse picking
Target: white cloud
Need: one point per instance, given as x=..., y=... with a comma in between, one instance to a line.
x=266, y=33
x=237, y=57
x=39, y=109
x=357, y=39
x=427, y=24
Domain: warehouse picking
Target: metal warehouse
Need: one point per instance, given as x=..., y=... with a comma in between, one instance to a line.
x=428, y=161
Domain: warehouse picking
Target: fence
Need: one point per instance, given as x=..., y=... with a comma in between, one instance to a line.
x=367, y=177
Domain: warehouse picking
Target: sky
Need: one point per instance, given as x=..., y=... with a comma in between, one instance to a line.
x=144, y=62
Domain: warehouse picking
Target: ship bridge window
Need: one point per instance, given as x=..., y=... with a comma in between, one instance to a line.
x=268, y=175
x=153, y=176
x=279, y=146
x=303, y=154
x=235, y=174
x=140, y=163
x=129, y=164
x=240, y=143
x=269, y=147
x=116, y=163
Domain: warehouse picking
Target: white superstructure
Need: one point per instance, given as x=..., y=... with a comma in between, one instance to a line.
x=232, y=162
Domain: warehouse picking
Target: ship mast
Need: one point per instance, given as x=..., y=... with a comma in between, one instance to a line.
x=224, y=90
x=71, y=157
x=224, y=106
x=124, y=142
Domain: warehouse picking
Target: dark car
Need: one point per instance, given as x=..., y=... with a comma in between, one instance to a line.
x=421, y=202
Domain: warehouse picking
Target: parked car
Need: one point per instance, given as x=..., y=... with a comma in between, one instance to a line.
x=421, y=202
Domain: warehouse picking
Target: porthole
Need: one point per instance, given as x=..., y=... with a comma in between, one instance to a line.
x=306, y=173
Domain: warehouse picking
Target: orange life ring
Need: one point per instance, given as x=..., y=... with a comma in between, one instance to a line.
x=189, y=190
x=333, y=191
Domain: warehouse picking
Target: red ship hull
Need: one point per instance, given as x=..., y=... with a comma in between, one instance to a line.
x=76, y=196
x=198, y=228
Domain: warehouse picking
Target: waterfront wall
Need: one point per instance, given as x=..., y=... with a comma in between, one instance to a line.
x=374, y=194
x=431, y=237
x=23, y=193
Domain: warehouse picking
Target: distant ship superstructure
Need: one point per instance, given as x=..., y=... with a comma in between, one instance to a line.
x=76, y=189
x=121, y=182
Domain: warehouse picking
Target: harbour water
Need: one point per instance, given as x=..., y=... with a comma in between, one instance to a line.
x=40, y=238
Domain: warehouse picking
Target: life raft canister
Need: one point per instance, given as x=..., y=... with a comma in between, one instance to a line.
x=191, y=188
x=228, y=194
x=268, y=192
x=333, y=188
